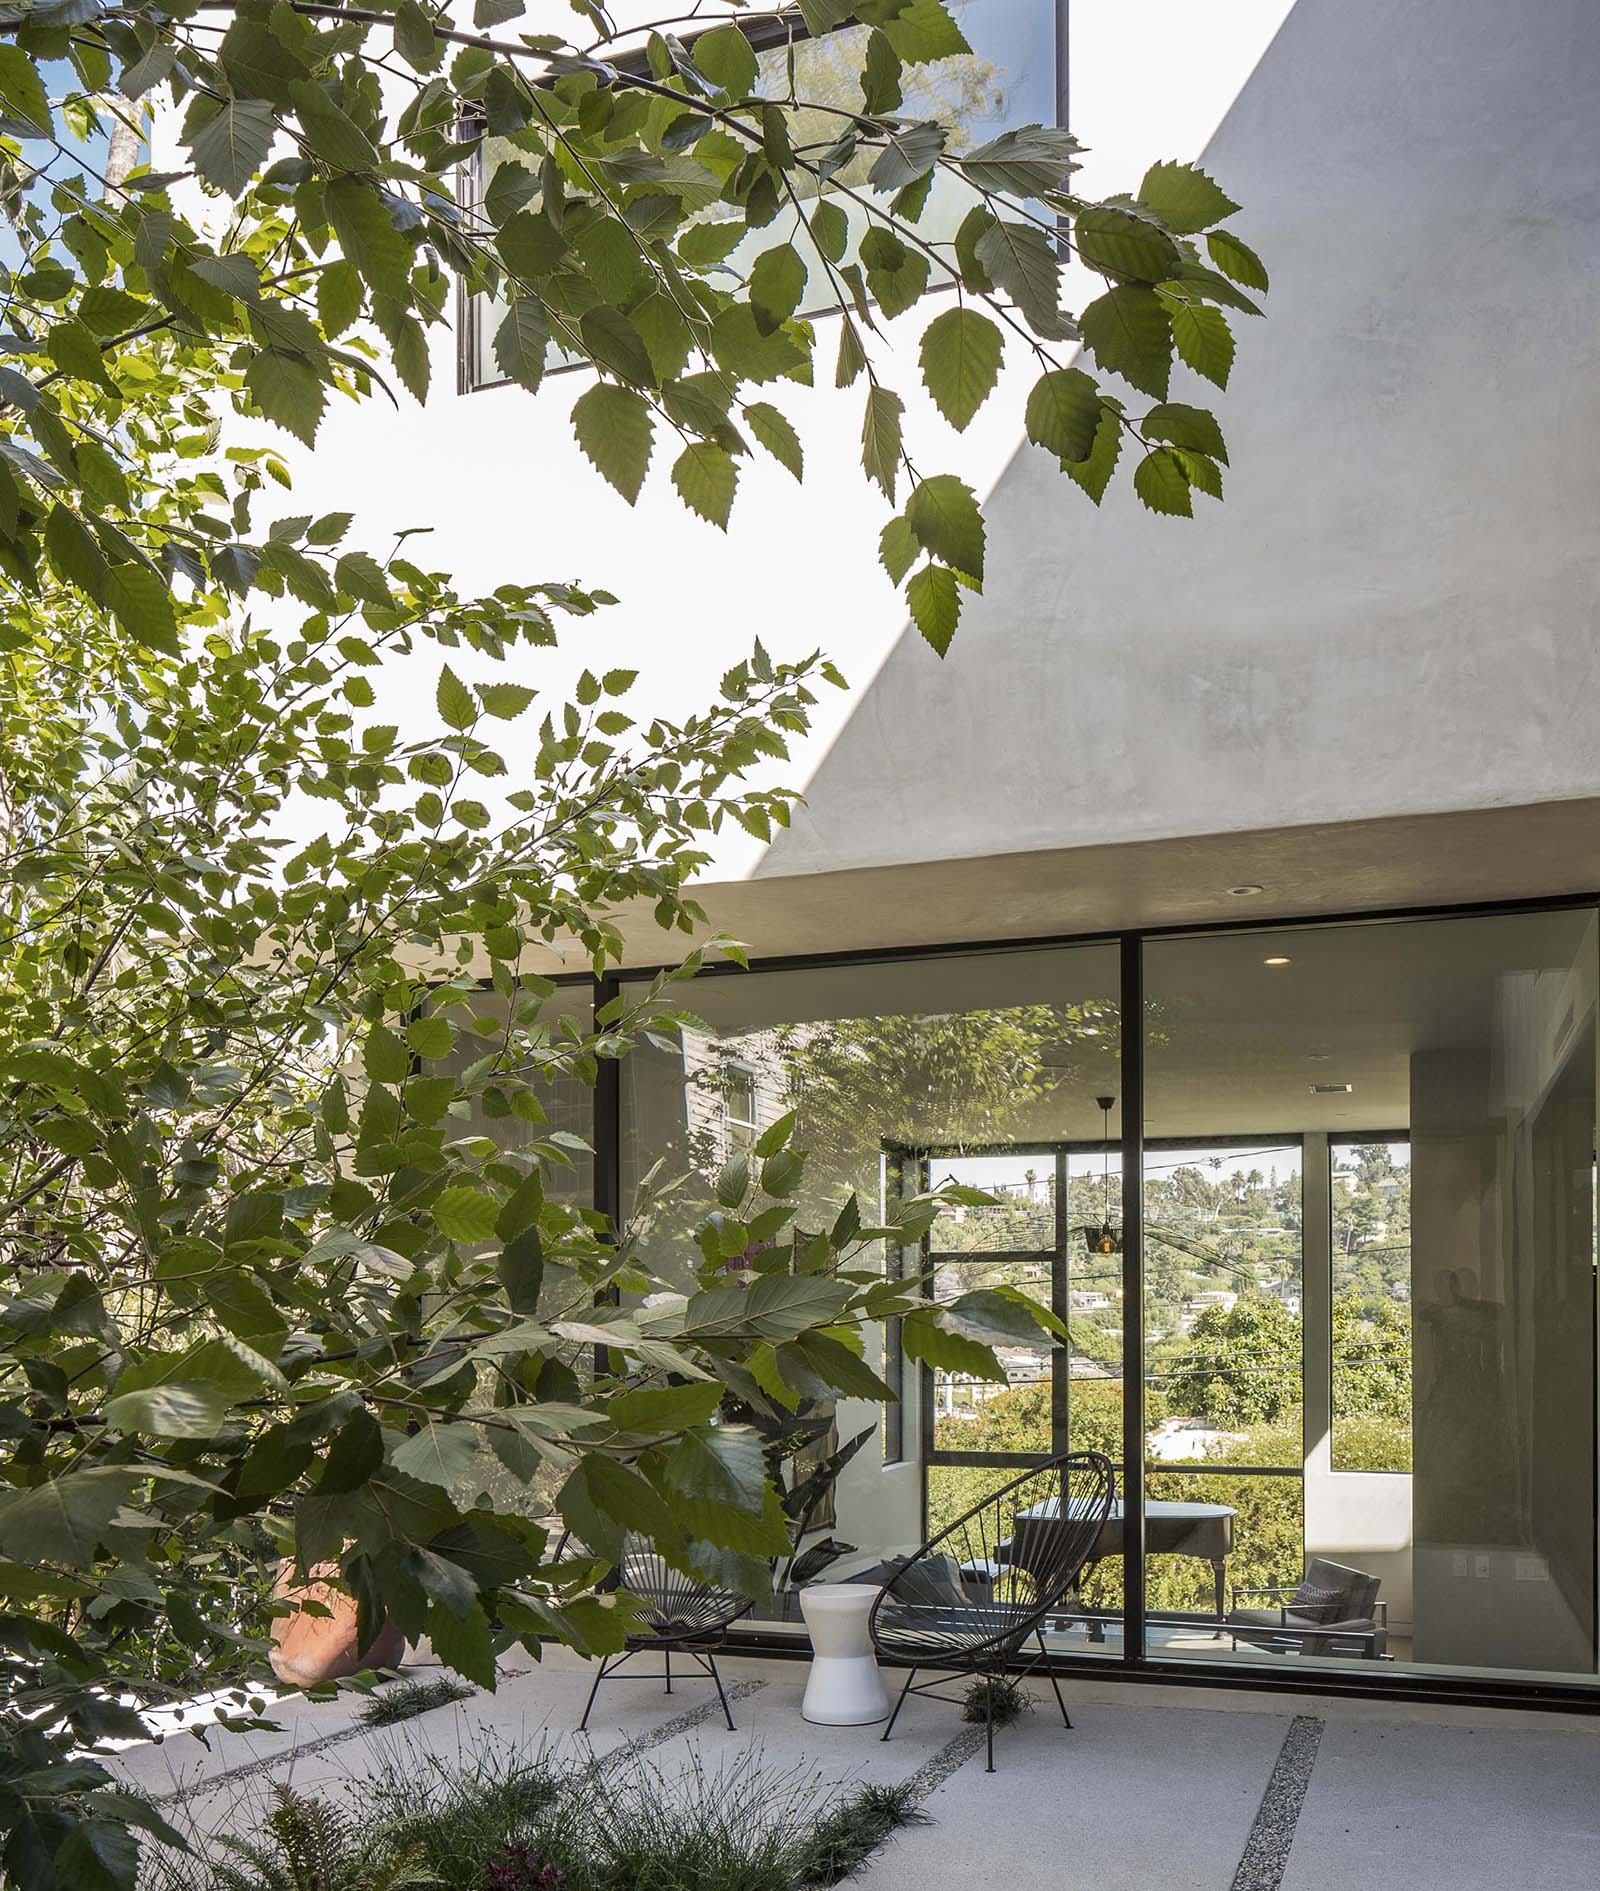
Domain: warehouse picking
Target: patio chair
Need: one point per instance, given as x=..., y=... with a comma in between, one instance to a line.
x=1333, y=1610
x=684, y=1615
x=971, y=1599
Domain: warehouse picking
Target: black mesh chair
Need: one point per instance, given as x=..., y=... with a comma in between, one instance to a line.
x=684, y=1614
x=969, y=1601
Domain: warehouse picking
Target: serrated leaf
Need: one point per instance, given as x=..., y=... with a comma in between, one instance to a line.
x=706, y=478
x=339, y=296
x=612, y=342
x=830, y=230
x=961, y=352
x=431, y=1037
x=775, y=433
x=439, y=1453
x=898, y=550
x=1162, y=484
x=287, y=390
x=1094, y=473
x=777, y=282
x=616, y=431
x=1184, y=198
x=923, y=32
x=22, y=91
x=522, y=342
x=1026, y=161
x=192, y=1410
x=934, y=599
x=896, y=273
x=726, y=58
x=1237, y=260
x=142, y=605
x=464, y=1213
x=454, y=701
x=505, y=701
x=231, y=145
x=909, y=154
x=1022, y=262
x=1191, y=427
x=384, y=1057
x=1204, y=341
x=1063, y=413
x=1118, y=243
x=943, y=512
x=1128, y=333
x=880, y=438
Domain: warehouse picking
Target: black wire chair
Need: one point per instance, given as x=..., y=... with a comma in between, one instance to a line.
x=684, y=1615
x=972, y=1598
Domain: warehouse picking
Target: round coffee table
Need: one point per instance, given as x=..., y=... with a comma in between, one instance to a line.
x=845, y=1688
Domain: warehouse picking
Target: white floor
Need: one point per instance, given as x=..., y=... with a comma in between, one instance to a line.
x=1154, y=1786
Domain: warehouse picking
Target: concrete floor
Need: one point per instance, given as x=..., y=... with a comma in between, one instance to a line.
x=1189, y=1789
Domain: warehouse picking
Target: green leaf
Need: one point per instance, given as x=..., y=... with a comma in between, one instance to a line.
x=384, y=1056
x=1191, y=427
x=179, y=1410
x=464, y=1643
x=1027, y=161
x=1118, y=243
x=961, y=352
x=706, y=477
x=1063, y=413
x=777, y=282
x=613, y=343
x=725, y=57
x=63, y=1520
x=1022, y=261
x=923, y=1337
x=773, y=430
x=880, y=438
x=287, y=390
x=330, y=131
x=142, y=605
x=464, y=1213
x=505, y=701
x=454, y=701
x=1094, y=473
x=924, y=32
x=944, y=514
x=896, y=273
x=522, y=342
x=1184, y=198
x=881, y=89
x=432, y=1037
x=22, y=90
x=830, y=230
x=909, y=154
x=521, y=1268
x=1237, y=260
x=231, y=145
x=934, y=599
x=665, y=1407
x=1204, y=340
x=440, y=1453
x=615, y=430
x=898, y=550
x=1128, y=333
x=1162, y=484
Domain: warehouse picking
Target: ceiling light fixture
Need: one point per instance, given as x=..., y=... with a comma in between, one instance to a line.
x=1246, y=892
x=1107, y=1238
x=1331, y=1089
x=1279, y=959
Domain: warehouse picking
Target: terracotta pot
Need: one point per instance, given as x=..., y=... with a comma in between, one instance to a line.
x=311, y=1648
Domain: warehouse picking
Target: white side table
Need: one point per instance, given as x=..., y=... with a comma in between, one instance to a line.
x=845, y=1688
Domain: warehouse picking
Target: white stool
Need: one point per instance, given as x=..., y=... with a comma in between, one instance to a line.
x=845, y=1688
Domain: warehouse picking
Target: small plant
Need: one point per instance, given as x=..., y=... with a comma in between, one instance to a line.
x=520, y=1869
x=848, y=1835
x=1011, y=1701
x=406, y=1699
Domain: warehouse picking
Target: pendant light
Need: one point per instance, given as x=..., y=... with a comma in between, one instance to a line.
x=1105, y=1239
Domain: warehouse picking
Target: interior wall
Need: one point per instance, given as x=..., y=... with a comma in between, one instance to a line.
x=1504, y=1345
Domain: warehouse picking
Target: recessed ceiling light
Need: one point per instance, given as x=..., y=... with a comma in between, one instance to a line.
x=1318, y=1057
x=1331, y=1089
x=1279, y=959
x=1244, y=892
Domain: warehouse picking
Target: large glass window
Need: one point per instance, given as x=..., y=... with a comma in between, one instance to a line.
x=984, y=1069
x=1401, y=1360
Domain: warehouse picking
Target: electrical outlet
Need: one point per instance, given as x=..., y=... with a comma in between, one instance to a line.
x=1532, y=1569
x=1458, y=1564
x=1481, y=1566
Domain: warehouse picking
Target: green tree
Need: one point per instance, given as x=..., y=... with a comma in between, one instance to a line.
x=1239, y=1365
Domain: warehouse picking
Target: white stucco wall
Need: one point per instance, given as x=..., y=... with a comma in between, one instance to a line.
x=1396, y=609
